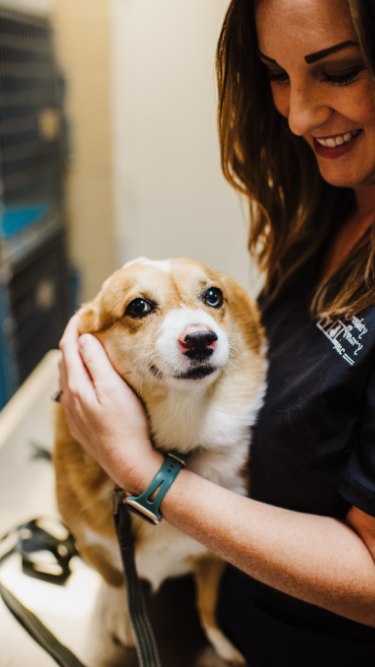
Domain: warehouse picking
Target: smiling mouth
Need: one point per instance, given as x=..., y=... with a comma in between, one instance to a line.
x=197, y=373
x=337, y=146
x=338, y=140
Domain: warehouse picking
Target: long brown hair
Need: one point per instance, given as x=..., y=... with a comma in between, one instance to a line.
x=293, y=210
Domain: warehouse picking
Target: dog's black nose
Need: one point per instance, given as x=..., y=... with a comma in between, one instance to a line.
x=200, y=345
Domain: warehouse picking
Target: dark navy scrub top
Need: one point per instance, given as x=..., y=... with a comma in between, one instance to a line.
x=313, y=451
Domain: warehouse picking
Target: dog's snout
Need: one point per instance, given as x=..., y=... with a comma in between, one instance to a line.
x=199, y=344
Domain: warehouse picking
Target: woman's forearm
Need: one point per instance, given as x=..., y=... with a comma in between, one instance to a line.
x=317, y=559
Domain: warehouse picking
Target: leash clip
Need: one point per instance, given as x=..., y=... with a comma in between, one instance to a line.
x=118, y=497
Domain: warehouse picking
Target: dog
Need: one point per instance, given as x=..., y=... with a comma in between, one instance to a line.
x=190, y=343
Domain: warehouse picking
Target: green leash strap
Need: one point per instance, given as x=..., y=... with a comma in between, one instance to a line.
x=144, y=638
x=38, y=631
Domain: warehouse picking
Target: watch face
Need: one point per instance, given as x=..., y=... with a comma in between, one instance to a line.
x=136, y=507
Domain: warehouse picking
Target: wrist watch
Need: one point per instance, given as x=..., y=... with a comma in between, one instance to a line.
x=142, y=505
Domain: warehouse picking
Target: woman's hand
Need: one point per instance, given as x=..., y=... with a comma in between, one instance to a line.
x=293, y=552
x=103, y=413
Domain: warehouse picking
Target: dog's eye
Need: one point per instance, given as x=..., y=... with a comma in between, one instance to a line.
x=139, y=308
x=213, y=297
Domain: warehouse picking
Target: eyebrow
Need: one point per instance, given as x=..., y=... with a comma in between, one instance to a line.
x=318, y=55
x=270, y=60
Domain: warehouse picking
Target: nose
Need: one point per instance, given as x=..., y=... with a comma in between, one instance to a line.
x=198, y=344
x=307, y=110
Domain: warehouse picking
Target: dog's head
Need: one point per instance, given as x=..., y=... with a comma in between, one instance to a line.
x=171, y=324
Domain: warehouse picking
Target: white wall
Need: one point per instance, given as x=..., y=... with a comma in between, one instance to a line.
x=170, y=196
x=83, y=40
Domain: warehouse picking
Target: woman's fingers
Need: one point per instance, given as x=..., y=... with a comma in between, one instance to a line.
x=74, y=378
x=63, y=380
x=71, y=330
x=101, y=410
x=69, y=346
x=97, y=363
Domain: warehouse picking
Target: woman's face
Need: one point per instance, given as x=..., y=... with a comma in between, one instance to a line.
x=320, y=84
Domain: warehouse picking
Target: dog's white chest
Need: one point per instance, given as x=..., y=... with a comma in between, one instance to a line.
x=164, y=551
x=186, y=423
x=220, y=444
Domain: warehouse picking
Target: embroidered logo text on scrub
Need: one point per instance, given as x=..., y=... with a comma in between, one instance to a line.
x=343, y=335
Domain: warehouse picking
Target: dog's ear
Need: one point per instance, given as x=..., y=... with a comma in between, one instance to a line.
x=89, y=317
x=106, y=308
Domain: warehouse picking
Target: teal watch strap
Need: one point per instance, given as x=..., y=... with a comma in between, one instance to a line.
x=142, y=505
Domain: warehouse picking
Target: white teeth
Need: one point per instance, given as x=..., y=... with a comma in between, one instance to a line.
x=332, y=142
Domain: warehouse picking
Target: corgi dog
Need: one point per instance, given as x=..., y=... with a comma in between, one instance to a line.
x=190, y=343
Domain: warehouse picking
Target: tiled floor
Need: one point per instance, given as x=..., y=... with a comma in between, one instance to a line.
x=27, y=491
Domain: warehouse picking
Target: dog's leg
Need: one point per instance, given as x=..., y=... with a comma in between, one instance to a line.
x=99, y=557
x=109, y=638
x=115, y=614
x=208, y=572
x=112, y=600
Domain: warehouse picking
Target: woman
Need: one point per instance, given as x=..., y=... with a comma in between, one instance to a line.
x=297, y=127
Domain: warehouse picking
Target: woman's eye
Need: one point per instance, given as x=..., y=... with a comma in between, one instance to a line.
x=213, y=297
x=282, y=77
x=342, y=79
x=139, y=308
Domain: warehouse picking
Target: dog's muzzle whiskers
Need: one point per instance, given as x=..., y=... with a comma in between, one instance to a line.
x=155, y=371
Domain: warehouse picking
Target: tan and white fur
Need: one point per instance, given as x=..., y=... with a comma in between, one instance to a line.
x=201, y=402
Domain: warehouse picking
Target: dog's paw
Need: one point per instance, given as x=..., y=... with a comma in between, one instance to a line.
x=116, y=623
x=119, y=631
x=224, y=648
x=114, y=615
